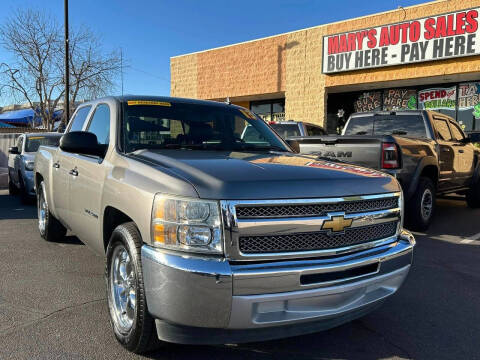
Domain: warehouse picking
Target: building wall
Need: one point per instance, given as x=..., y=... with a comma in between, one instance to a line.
x=291, y=64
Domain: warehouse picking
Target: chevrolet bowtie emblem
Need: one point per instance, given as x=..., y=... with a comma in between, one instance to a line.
x=337, y=224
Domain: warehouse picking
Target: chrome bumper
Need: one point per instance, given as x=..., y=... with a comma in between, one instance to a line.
x=187, y=293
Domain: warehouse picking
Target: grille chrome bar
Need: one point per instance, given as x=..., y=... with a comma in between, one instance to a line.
x=315, y=209
x=236, y=228
x=315, y=240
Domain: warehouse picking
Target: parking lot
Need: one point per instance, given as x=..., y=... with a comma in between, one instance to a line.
x=52, y=301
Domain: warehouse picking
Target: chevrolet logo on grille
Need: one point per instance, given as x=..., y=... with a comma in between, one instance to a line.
x=336, y=224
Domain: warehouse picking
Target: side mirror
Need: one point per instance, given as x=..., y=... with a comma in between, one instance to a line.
x=13, y=150
x=294, y=145
x=81, y=142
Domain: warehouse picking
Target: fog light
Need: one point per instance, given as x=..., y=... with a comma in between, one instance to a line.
x=194, y=235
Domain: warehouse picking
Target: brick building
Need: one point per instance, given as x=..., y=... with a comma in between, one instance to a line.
x=424, y=56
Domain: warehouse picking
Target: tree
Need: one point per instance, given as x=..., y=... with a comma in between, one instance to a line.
x=91, y=70
x=36, y=75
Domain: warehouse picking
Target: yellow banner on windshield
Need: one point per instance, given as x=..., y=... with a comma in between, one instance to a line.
x=36, y=137
x=148, y=102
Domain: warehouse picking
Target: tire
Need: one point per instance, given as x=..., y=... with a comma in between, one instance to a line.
x=473, y=196
x=421, y=207
x=24, y=197
x=133, y=327
x=12, y=189
x=50, y=228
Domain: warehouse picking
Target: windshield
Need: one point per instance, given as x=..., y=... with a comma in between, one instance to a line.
x=34, y=142
x=286, y=130
x=164, y=125
x=408, y=125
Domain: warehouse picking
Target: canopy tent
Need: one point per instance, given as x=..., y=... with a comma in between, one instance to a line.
x=4, y=125
x=25, y=117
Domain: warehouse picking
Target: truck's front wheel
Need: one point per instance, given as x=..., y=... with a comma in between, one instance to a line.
x=421, y=206
x=49, y=227
x=132, y=324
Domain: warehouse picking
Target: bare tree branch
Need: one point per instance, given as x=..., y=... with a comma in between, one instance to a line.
x=35, y=41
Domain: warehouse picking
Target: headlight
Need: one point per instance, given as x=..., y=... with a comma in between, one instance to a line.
x=186, y=224
x=29, y=165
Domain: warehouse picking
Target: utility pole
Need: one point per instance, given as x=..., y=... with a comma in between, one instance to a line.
x=121, y=66
x=66, y=107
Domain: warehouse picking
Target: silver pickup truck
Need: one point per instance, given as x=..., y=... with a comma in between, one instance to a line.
x=210, y=239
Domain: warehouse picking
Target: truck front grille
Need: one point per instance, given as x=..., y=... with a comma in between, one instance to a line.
x=318, y=209
x=320, y=240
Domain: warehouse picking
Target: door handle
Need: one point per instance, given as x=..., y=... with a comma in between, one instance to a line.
x=56, y=165
x=73, y=172
x=461, y=151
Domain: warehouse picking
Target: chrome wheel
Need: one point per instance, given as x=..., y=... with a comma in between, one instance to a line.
x=123, y=288
x=42, y=209
x=427, y=204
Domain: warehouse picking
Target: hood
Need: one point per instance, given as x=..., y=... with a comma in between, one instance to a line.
x=243, y=176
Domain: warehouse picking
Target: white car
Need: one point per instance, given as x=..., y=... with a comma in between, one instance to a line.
x=21, y=160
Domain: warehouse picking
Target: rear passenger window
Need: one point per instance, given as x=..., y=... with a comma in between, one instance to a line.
x=314, y=130
x=79, y=119
x=456, y=132
x=362, y=125
x=441, y=126
x=100, y=124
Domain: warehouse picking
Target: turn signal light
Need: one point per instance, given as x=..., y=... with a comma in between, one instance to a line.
x=390, y=159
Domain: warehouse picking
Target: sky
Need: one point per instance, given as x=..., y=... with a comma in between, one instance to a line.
x=149, y=32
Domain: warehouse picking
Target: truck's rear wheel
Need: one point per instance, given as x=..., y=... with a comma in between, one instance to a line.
x=473, y=196
x=421, y=207
x=12, y=189
x=24, y=198
x=132, y=324
x=49, y=227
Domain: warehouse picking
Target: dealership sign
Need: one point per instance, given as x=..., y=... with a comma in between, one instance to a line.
x=432, y=38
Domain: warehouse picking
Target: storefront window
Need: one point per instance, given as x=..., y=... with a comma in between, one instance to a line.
x=399, y=99
x=469, y=106
x=459, y=101
x=269, y=110
x=443, y=100
x=369, y=101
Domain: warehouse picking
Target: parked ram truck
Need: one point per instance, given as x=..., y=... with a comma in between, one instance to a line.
x=426, y=151
x=210, y=239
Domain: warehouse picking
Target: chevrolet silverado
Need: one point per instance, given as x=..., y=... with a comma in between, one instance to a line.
x=211, y=239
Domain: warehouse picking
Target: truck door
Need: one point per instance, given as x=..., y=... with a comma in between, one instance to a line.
x=63, y=163
x=87, y=184
x=446, y=154
x=464, y=156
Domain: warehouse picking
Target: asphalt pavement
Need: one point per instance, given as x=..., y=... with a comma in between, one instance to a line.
x=52, y=301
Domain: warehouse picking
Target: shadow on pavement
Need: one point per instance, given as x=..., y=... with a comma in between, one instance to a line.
x=12, y=208
x=70, y=240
